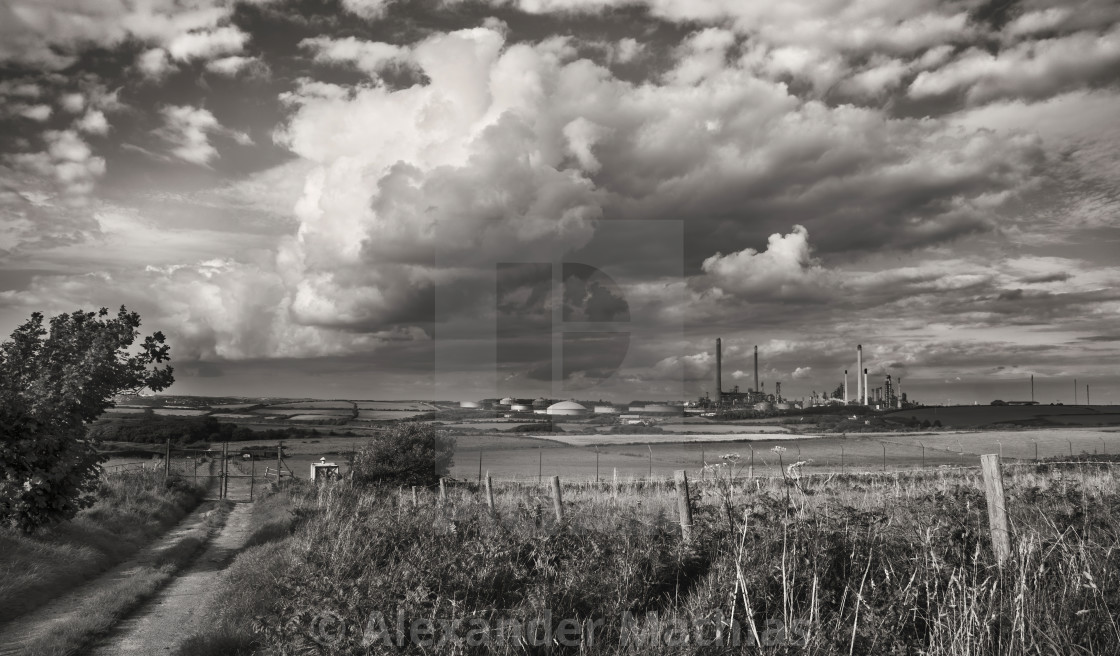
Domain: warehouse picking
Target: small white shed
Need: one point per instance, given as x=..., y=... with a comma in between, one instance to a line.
x=323, y=470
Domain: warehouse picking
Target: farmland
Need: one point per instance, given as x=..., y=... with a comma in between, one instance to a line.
x=848, y=565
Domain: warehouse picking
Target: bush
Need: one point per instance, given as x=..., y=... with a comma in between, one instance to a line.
x=409, y=453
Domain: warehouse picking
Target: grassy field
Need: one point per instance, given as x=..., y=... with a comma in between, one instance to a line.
x=847, y=565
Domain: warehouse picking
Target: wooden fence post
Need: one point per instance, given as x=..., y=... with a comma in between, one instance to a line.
x=252, y=476
x=279, y=450
x=442, y=492
x=614, y=484
x=489, y=493
x=684, y=506
x=415, y=498
x=223, y=488
x=997, y=511
x=167, y=461
x=557, y=501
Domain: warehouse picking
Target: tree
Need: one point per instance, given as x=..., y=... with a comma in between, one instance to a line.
x=53, y=382
x=409, y=453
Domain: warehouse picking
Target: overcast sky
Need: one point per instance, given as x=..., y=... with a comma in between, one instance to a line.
x=329, y=198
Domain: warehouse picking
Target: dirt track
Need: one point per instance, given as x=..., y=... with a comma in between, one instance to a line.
x=177, y=611
x=164, y=621
x=15, y=638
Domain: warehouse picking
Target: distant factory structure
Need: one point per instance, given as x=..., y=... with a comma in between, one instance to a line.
x=755, y=397
x=888, y=396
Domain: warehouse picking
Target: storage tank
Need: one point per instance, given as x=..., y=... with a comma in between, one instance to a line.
x=765, y=406
x=469, y=404
x=521, y=407
x=567, y=409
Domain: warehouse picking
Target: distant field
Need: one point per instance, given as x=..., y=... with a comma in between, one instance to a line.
x=417, y=406
x=722, y=428
x=323, y=405
x=233, y=406
x=382, y=415
x=179, y=412
x=124, y=410
x=517, y=458
x=657, y=438
x=981, y=415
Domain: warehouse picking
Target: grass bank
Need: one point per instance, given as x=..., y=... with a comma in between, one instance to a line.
x=849, y=565
x=132, y=508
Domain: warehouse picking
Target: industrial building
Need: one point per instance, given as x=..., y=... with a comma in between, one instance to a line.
x=567, y=409
x=734, y=398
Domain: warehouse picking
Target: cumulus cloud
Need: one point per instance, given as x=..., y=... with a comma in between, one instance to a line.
x=1031, y=68
x=370, y=56
x=93, y=122
x=154, y=63
x=207, y=44
x=50, y=33
x=235, y=65
x=785, y=269
x=801, y=373
x=188, y=130
x=68, y=160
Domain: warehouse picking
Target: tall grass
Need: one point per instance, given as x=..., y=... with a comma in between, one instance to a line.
x=849, y=565
x=132, y=508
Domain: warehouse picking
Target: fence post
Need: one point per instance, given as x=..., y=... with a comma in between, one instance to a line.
x=489, y=494
x=415, y=498
x=442, y=492
x=167, y=461
x=684, y=506
x=225, y=473
x=279, y=450
x=252, y=476
x=997, y=511
x=557, y=501
x=614, y=484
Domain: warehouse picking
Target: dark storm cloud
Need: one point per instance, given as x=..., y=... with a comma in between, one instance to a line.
x=254, y=175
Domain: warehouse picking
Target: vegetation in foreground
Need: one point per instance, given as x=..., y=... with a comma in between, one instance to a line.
x=131, y=508
x=854, y=565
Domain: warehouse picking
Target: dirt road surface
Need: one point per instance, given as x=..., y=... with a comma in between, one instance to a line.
x=176, y=612
x=17, y=635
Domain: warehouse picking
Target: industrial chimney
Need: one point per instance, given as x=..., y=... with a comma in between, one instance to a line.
x=845, y=387
x=756, y=387
x=859, y=378
x=865, y=386
x=719, y=372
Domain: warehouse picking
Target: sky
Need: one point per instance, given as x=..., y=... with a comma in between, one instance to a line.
x=573, y=198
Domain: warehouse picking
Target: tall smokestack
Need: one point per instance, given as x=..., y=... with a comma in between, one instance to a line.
x=865, y=387
x=900, y=393
x=845, y=387
x=719, y=371
x=859, y=379
x=756, y=387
